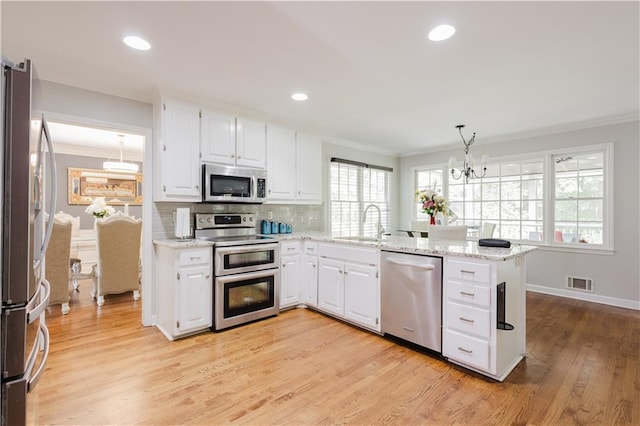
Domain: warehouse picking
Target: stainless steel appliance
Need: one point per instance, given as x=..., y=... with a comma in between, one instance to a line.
x=228, y=184
x=25, y=291
x=246, y=268
x=411, y=292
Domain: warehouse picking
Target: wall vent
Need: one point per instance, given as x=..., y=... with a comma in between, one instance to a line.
x=584, y=284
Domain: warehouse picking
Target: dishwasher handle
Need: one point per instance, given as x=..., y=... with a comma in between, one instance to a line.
x=424, y=267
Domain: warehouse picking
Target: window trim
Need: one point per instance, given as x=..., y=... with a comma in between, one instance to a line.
x=606, y=248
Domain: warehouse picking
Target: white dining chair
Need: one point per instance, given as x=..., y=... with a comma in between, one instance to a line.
x=456, y=233
x=487, y=230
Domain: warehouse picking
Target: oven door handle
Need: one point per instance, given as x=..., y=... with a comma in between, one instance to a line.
x=246, y=248
x=223, y=279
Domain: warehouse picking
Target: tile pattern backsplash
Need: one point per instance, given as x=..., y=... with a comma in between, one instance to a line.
x=301, y=217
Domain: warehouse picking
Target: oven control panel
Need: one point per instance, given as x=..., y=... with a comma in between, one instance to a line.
x=224, y=220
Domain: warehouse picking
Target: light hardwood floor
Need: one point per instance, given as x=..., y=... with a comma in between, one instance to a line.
x=583, y=366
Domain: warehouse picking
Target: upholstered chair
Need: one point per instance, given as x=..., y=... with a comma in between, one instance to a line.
x=75, y=263
x=57, y=263
x=118, y=267
x=455, y=233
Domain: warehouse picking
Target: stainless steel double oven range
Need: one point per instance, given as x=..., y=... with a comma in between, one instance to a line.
x=246, y=268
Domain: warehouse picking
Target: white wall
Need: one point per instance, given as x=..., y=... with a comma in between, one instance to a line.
x=616, y=277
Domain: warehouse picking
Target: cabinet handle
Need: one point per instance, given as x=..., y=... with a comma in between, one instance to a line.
x=284, y=265
x=313, y=265
x=468, y=351
x=464, y=293
x=233, y=155
x=466, y=320
x=290, y=248
x=464, y=271
x=207, y=276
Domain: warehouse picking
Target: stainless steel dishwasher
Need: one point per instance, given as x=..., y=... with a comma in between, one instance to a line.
x=411, y=303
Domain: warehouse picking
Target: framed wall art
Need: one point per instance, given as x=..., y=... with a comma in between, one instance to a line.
x=118, y=188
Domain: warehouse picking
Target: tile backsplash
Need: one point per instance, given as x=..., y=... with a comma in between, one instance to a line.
x=300, y=217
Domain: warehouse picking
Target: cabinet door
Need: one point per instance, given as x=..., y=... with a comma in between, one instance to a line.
x=251, y=143
x=218, y=137
x=308, y=167
x=289, y=280
x=331, y=286
x=180, y=164
x=362, y=295
x=309, y=281
x=195, y=298
x=281, y=163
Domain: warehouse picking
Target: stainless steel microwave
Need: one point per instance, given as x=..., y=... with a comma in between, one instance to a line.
x=229, y=184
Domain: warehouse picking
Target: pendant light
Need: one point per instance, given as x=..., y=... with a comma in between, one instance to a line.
x=120, y=166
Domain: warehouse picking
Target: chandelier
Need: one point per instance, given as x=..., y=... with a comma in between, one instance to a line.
x=467, y=171
x=120, y=166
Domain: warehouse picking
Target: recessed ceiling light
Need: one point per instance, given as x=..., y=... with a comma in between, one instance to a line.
x=441, y=32
x=299, y=97
x=136, y=42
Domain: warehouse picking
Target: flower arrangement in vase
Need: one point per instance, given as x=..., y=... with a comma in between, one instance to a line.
x=99, y=208
x=432, y=203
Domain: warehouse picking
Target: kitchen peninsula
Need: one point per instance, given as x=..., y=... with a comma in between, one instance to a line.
x=483, y=325
x=482, y=295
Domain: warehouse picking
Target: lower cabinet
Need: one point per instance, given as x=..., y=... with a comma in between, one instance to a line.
x=349, y=285
x=185, y=290
x=290, y=273
x=483, y=315
x=309, y=281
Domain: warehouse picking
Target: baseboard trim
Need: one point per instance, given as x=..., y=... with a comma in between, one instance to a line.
x=594, y=298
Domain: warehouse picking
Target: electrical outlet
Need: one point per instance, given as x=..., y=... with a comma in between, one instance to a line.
x=269, y=214
x=174, y=217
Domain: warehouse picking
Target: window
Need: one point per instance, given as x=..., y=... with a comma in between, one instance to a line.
x=427, y=179
x=579, y=198
x=554, y=198
x=509, y=196
x=355, y=187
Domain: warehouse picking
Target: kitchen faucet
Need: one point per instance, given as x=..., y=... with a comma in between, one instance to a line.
x=380, y=229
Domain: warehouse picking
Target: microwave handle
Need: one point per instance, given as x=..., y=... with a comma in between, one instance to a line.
x=254, y=188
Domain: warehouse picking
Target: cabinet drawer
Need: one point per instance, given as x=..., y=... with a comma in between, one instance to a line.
x=469, y=319
x=469, y=293
x=466, y=349
x=194, y=257
x=311, y=247
x=469, y=271
x=289, y=247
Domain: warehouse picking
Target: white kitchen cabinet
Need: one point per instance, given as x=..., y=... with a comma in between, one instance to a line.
x=217, y=137
x=294, y=166
x=309, y=282
x=331, y=286
x=308, y=167
x=348, y=284
x=281, y=160
x=251, y=143
x=184, y=290
x=235, y=141
x=178, y=153
x=471, y=334
x=290, y=273
x=361, y=294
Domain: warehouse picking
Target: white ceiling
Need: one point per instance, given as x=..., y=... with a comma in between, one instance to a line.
x=371, y=74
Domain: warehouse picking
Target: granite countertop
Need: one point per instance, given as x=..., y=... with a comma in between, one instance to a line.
x=389, y=243
x=182, y=243
x=419, y=246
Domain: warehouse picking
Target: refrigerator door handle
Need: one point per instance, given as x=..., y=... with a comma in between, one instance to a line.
x=44, y=131
x=44, y=333
x=45, y=293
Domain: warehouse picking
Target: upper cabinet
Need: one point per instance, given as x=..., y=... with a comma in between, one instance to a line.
x=226, y=139
x=177, y=153
x=308, y=167
x=294, y=166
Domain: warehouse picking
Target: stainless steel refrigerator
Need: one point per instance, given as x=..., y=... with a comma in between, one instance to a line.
x=27, y=160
